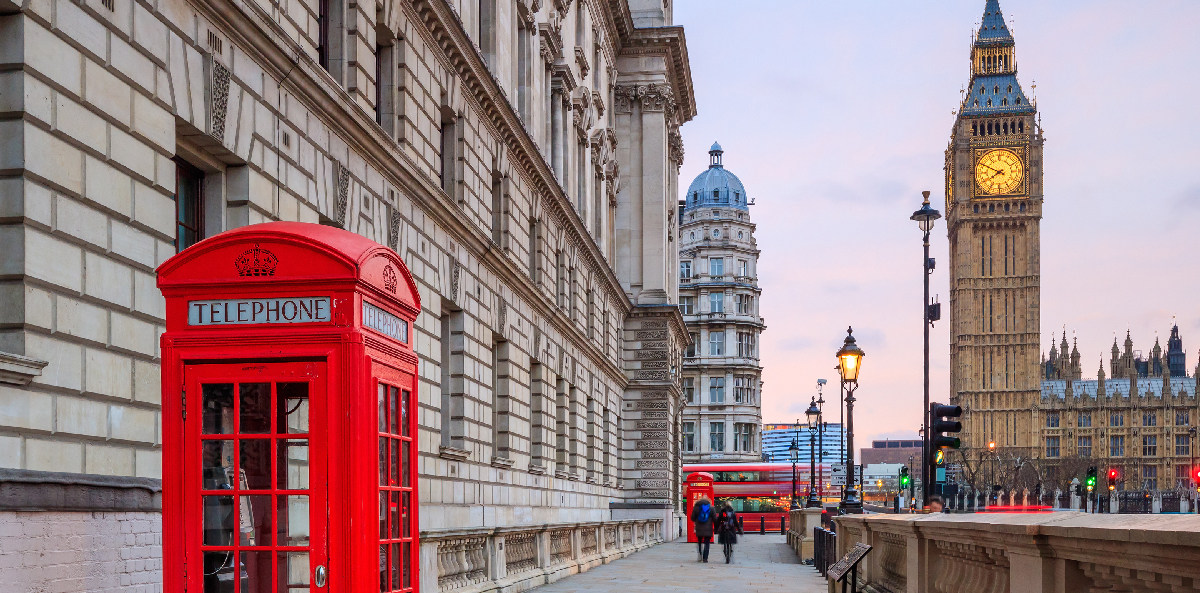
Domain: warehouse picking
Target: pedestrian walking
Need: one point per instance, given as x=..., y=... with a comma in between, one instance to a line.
x=703, y=516
x=728, y=528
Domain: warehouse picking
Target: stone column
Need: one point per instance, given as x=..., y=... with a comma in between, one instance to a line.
x=657, y=105
x=556, y=135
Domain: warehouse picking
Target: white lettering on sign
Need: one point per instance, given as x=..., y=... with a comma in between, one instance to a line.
x=385, y=323
x=247, y=311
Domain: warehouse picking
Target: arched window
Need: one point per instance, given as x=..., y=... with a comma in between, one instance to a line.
x=1020, y=124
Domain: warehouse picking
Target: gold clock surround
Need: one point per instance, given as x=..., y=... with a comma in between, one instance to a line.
x=999, y=172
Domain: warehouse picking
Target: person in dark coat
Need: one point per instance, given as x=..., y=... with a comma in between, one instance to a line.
x=727, y=528
x=704, y=514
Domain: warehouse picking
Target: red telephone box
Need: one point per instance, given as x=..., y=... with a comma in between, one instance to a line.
x=697, y=485
x=289, y=414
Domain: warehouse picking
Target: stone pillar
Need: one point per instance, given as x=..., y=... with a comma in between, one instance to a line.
x=556, y=135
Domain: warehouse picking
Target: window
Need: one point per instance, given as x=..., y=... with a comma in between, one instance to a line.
x=716, y=436
x=738, y=389
x=1052, y=449
x=1149, y=477
x=685, y=269
x=687, y=305
x=447, y=145
x=716, y=302
x=743, y=268
x=1150, y=446
x=689, y=389
x=691, y=349
x=189, y=212
x=1150, y=419
x=1183, y=445
x=743, y=436
x=486, y=18
x=745, y=345
x=716, y=343
x=716, y=233
x=1116, y=419
x=1084, y=420
x=1085, y=446
x=689, y=437
x=1181, y=418
x=1116, y=446
x=716, y=390
x=1052, y=420
x=716, y=267
x=742, y=301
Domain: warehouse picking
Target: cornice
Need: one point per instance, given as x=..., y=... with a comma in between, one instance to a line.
x=495, y=109
x=262, y=38
x=671, y=43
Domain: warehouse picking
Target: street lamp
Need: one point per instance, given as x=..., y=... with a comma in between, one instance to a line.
x=1192, y=467
x=813, y=415
x=849, y=363
x=794, y=455
x=992, y=450
x=821, y=440
x=925, y=218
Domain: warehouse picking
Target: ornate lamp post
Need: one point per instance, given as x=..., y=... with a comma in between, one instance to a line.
x=814, y=426
x=992, y=450
x=794, y=455
x=849, y=363
x=925, y=218
x=821, y=440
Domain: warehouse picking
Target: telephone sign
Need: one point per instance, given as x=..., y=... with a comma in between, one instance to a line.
x=289, y=415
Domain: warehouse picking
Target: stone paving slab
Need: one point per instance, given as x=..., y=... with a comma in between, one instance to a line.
x=761, y=564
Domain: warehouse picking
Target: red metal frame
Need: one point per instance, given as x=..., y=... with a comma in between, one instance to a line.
x=233, y=456
x=696, y=485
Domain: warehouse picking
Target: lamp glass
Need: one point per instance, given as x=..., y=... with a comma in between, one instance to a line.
x=849, y=365
x=812, y=413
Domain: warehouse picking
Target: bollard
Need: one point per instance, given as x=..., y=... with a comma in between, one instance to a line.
x=783, y=525
x=741, y=524
x=762, y=525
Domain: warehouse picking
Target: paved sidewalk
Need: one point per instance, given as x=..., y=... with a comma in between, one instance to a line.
x=761, y=564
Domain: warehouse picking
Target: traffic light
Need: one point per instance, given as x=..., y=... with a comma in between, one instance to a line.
x=1112, y=479
x=904, y=477
x=1091, y=479
x=942, y=419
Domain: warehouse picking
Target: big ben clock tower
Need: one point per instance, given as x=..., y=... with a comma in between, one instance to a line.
x=993, y=213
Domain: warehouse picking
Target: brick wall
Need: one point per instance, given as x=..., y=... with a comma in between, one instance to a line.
x=48, y=552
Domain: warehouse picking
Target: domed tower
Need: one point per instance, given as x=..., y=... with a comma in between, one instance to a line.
x=993, y=174
x=718, y=296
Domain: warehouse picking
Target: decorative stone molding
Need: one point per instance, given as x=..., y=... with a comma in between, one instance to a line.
x=218, y=98
x=581, y=61
x=675, y=141
x=342, y=178
x=550, y=33
x=19, y=370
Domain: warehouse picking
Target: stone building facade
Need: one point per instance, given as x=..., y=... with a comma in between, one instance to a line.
x=1139, y=417
x=718, y=296
x=520, y=155
x=993, y=215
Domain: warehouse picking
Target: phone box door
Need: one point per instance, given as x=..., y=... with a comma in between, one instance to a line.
x=254, y=484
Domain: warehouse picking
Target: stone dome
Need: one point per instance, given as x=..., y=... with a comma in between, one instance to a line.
x=716, y=186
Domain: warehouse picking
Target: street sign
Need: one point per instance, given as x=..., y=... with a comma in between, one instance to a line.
x=837, y=472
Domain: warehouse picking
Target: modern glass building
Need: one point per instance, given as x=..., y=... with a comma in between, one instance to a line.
x=776, y=438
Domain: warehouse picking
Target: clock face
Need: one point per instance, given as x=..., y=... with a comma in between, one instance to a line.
x=999, y=172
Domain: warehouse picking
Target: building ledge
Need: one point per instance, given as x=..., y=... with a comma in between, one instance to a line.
x=19, y=370
x=453, y=453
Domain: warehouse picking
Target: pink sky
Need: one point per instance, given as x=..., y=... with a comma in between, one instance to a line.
x=835, y=116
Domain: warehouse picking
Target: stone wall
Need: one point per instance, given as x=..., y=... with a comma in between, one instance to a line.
x=505, y=214
x=1057, y=552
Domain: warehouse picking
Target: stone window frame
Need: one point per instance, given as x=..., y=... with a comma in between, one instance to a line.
x=716, y=437
x=1053, y=447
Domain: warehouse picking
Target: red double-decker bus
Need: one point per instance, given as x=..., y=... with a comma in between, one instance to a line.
x=761, y=490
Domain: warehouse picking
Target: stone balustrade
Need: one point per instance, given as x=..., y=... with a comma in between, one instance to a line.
x=800, y=530
x=514, y=559
x=1057, y=552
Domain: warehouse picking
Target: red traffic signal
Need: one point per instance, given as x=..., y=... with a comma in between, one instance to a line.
x=1112, y=474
